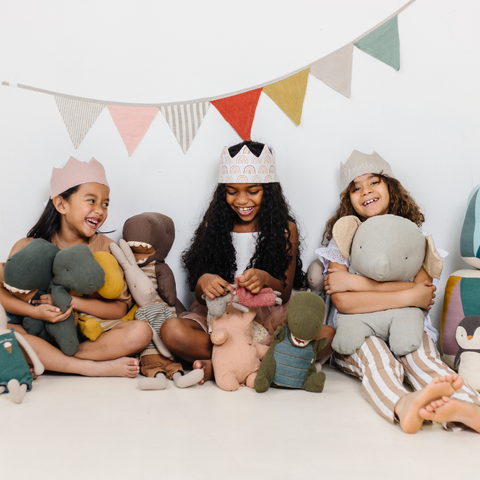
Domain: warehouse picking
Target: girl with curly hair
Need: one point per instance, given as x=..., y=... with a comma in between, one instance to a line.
x=247, y=232
x=439, y=394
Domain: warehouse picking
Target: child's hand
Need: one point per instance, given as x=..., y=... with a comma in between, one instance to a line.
x=338, y=281
x=213, y=285
x=45, y=299
x=253, y=280
x=423, y=295
x=52, y=314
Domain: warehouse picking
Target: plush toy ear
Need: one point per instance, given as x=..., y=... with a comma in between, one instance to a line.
x=432, y=264
x=343, y=233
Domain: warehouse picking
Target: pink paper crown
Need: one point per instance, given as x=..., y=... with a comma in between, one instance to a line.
x=245, y=167
x=74, y=173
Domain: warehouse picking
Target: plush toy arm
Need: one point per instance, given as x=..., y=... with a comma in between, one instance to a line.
x=279, y=335
x=161, y=346
x=60, y=296
x=239, y=306
x=319, y=344
x=37, y=364
x=266, y=371
x=219, y=337
x=166, y=283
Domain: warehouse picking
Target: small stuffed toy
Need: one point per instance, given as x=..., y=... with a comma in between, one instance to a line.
x=38, y=267
x=160, y=363
x=235, y=356
x=15, y=375
x=290, y=360
x=467, y=359
x=151, y=236
x=315, y=278
x=462, y=291
x=384, y=248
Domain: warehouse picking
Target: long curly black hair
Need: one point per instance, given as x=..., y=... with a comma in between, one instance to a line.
x=212, y=250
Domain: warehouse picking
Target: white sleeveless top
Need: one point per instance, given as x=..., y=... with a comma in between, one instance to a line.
x=244, y=244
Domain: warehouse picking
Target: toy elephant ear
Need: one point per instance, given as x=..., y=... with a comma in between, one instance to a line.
x=433, y=264
x=343, y=233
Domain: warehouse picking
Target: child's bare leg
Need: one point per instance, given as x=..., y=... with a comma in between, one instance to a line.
x=187, y=339
x=409, y=406
x=54, y=360
x=449, y=409
x=127, y=338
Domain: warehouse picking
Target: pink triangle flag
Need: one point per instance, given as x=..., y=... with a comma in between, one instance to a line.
x=132, y=123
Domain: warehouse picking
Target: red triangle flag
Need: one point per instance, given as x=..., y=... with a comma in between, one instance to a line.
x=239, y=111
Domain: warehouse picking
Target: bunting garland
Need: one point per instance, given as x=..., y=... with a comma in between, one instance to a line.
x=238, y=109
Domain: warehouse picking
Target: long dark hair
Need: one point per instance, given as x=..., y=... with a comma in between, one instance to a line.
x=50, y=220
x=212, y=250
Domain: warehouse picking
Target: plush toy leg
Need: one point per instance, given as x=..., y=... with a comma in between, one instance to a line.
x=65, y=334
x=90, y=328
x=406, y=331
x=350, y=335
x=314, y=381
x=228, y=382
x=265, y=373
x=250, y=380
x=192, y=378
x=159, y=382
x=35, y=327
x=16, y=390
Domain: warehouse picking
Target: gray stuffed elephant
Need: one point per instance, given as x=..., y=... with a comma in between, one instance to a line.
x=384, y=248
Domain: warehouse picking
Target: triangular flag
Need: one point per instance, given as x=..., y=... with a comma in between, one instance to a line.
x=289, y=94
x=132, y=123
x=239, y=111
x=78, y=116
x=383, y=43
x=185, y=120
x=335, y=70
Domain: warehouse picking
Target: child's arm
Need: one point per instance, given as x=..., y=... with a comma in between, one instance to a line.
x=419, y=293
x=212, y=286
x=47, y=312
x=254, y=279
x=101, y=308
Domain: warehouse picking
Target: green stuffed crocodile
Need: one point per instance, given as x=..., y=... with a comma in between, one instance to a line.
x=290, y=360
x=43, y=267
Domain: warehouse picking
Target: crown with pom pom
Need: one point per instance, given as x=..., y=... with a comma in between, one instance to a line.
x=245, y=167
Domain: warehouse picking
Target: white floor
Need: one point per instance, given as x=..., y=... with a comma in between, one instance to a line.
x=71, y=427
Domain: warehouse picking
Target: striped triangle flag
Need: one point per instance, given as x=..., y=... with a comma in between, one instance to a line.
x=78, y=117
x=335, y=70
x=185, y=120
x=239, y=111
x=383, y=43
x=132, y=123
x=289, y=94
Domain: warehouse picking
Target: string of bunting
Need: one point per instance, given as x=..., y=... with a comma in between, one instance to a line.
x=238, y=109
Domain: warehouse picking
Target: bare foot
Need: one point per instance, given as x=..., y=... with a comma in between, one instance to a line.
x=207, y=367
x=449, y=409
x=408, y=407
x=120, y=367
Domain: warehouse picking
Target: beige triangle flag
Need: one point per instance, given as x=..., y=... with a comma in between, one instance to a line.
x=289, y=94
x=132, y=123
x=78, y=116
x=335, y=70
x=185, y=120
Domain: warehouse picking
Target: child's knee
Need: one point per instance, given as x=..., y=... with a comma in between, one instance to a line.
x=140, y=333
x=170, y=331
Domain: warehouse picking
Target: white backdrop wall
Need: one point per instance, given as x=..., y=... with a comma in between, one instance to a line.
x=423, y=119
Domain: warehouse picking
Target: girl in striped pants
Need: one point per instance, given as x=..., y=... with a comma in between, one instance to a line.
x=439, y=394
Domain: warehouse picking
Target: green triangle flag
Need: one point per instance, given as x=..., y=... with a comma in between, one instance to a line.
x=383, y=43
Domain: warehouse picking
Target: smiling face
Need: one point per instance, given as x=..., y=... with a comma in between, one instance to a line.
x=245, y=200
x=369, y=196
x=84, y=212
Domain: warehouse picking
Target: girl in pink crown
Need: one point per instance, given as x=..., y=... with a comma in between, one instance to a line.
x=370, y=189
x=247, y=232
x=77, y=208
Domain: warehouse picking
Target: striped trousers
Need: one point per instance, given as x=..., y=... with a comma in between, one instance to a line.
x=382, y=374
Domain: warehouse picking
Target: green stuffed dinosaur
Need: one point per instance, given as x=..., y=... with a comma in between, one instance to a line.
x=43, y=267
x=290, y=360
